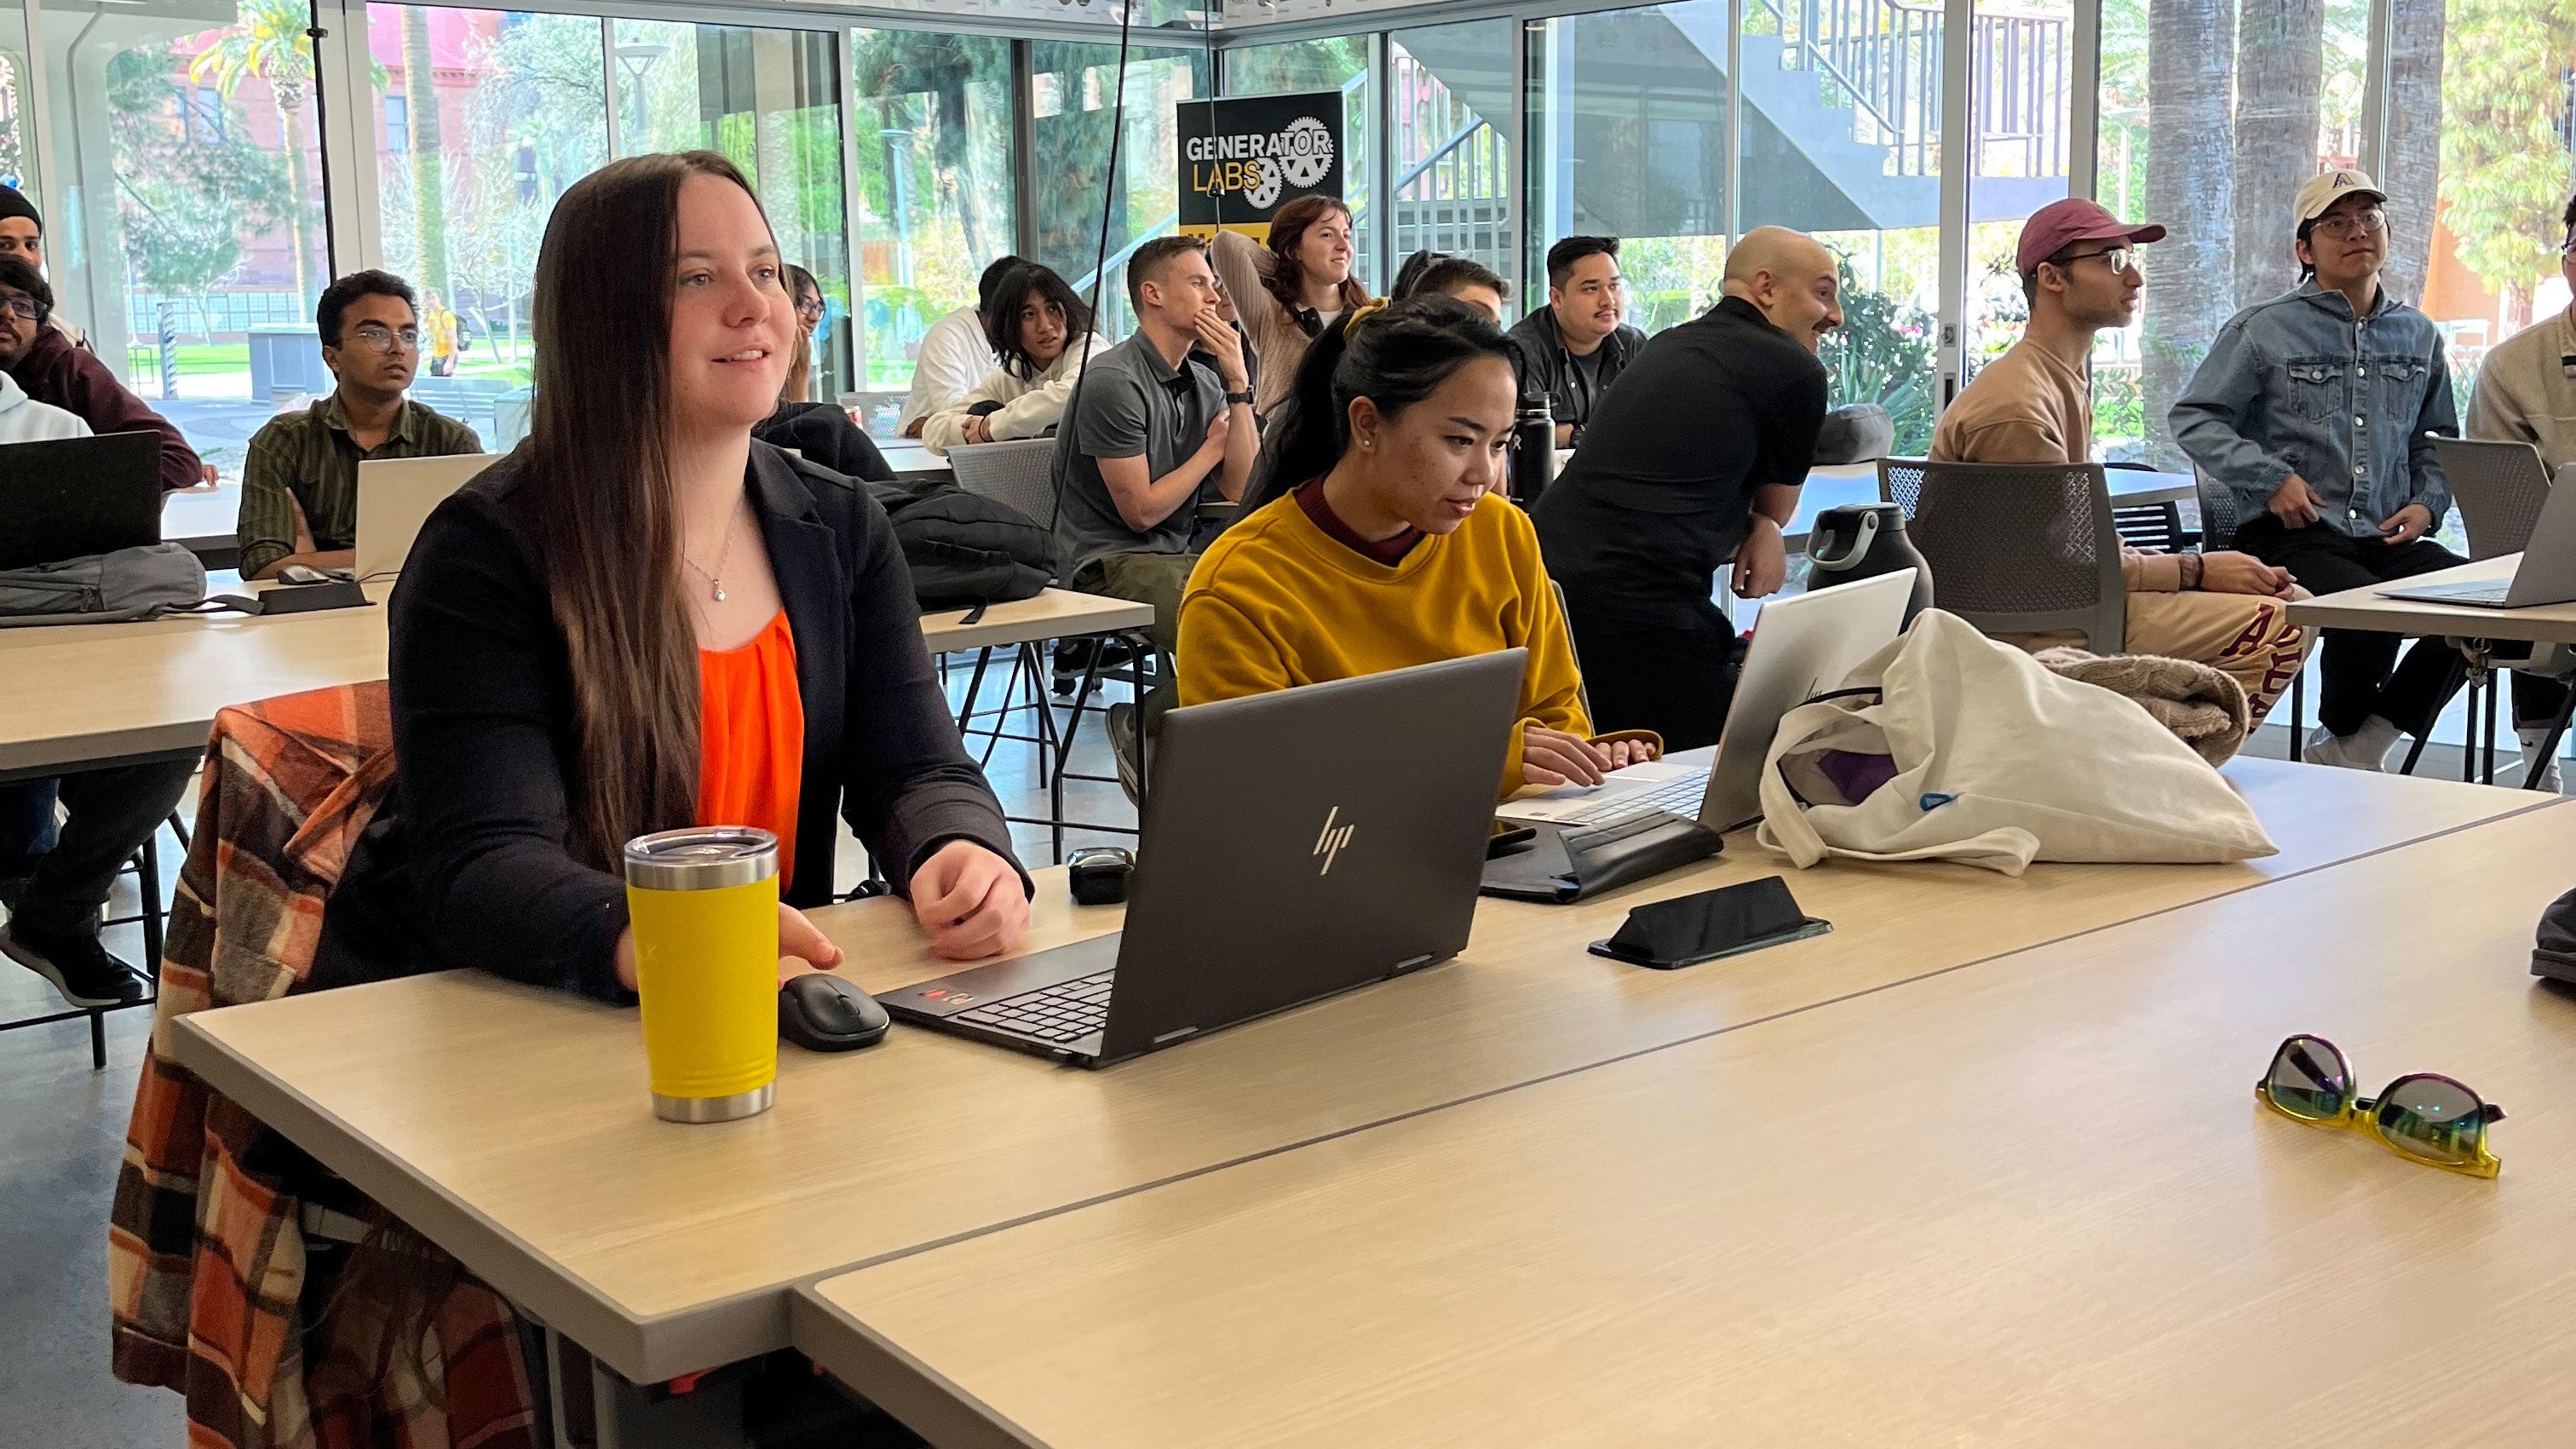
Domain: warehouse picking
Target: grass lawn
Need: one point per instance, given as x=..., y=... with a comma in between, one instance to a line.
x=196, y=359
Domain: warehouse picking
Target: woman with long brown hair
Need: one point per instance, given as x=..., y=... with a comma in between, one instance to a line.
x=1292, y=289
x=642, y=619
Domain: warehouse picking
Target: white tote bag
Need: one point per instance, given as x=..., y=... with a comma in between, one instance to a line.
x=1997, y=763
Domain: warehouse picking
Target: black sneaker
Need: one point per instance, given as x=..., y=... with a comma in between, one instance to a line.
x=1128, y=750
x=80, y=968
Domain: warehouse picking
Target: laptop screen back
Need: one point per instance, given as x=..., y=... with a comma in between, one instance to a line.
x=1299, y=843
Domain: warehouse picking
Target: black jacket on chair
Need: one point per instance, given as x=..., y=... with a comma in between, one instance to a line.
x=467, y=864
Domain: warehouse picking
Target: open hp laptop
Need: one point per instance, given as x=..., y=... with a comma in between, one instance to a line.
x=2546, y=573
x=396, y=496
x=72, y=497
x=1294, y=845
x=1801, y=646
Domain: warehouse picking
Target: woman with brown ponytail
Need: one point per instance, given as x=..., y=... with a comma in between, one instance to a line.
x=1291, y=290
x=642, y=619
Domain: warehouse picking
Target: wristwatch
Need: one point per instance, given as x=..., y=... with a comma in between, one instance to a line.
x=1244, y=397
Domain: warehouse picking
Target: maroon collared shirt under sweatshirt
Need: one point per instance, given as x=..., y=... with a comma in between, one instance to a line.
x=55, y=371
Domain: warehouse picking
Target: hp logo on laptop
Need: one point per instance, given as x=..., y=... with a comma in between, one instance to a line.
x=1330, y=843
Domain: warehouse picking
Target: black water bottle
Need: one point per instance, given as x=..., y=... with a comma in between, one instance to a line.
x=1861, y=541
x=1533, y=451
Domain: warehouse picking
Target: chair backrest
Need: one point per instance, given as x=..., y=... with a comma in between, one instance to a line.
x=1020, y=473
x=2150, y=525
x=2500, y=488
x=2019, y=548
x=2218, y=520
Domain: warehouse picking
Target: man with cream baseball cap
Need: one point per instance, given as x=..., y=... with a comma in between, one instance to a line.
x=2314, y=411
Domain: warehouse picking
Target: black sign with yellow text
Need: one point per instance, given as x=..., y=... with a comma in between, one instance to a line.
x=1244, y=157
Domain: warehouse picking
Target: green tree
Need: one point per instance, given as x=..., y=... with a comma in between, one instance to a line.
x=267, y=39
x=184, y=197
x=2504, y=169
x=1883, y=354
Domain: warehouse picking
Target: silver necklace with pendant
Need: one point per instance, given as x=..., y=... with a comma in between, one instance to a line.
x=715, y=581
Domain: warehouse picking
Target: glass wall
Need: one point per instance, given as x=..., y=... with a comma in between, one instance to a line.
x=2020, y=73
x=937, y=195
x=1842, y=139
x=1073, y=92
x=1338, y=64
x=2497, y=164
x=1452, y=180
x=193, y=246
x=770, y=100
x=1628, y=138
x=483, y=118
x=2283, y=102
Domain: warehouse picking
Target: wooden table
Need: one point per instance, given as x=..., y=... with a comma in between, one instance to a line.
x=120, y=693
x=670, y=1249
x=2363, y=608
x=2464, y=624
x=2031, y=1202
x=204, y=520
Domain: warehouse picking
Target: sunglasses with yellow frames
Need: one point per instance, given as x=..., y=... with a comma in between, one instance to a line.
x=2426, y=1118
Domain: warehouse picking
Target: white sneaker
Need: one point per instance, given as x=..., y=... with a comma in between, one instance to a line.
x=2549, y=779
x=2344, y=752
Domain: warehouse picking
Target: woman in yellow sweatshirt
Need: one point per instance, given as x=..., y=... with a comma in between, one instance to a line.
x=1377, y=540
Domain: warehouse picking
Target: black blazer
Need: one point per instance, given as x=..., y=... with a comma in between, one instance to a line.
x=466, y=865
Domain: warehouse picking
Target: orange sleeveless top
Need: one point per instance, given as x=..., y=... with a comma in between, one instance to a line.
x=751, y=738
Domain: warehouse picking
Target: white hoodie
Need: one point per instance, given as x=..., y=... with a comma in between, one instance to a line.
x=1030, y=405
x=25, y=420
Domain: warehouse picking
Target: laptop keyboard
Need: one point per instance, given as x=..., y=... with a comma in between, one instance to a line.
x=1066, y=1011
x=1678, y=796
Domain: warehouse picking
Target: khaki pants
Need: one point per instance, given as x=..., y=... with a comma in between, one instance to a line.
x=1147, y=578
x=2246, y=636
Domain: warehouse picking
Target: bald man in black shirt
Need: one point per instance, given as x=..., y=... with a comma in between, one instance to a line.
x=1693, y=461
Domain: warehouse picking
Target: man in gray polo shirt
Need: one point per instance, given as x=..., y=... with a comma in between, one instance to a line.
x=1152, y=430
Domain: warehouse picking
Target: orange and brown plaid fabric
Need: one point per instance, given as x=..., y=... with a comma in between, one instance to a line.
x=206, y=1251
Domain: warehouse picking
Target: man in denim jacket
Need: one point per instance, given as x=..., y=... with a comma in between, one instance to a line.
x=2311, y=413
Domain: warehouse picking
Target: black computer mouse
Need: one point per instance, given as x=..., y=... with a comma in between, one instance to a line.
x=823, y=1013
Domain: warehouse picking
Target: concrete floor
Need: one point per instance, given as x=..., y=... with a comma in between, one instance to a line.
x=62, y=1136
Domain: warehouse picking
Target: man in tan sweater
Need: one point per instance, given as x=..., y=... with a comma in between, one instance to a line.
x=2034, y=404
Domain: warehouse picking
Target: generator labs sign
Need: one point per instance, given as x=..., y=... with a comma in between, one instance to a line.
x=1244, y=157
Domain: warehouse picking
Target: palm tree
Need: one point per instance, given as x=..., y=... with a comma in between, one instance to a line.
x=428, y=180
x=2280, y=73
x=268, y=39
x=2191, y=280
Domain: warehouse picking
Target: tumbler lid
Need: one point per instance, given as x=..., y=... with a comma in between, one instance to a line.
x=701, y=858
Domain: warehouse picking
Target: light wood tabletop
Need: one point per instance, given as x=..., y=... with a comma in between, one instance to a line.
x=511, y=1125
x=1054, y=614
x=2364, y=609
x=121, y=691
x=2033, y=1202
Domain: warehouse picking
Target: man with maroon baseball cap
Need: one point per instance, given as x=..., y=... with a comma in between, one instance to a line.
x=2034, y=404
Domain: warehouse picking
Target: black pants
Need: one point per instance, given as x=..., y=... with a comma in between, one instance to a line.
x=108, y=814
x=26, y=826
x=1675, y=676
x=2362, y=674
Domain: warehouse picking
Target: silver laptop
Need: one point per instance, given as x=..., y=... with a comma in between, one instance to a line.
x=396, y=496
x=2545, y=574
x=1801, y=646
x=1294, y=845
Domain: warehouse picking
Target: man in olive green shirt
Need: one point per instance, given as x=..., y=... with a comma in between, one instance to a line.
x=300, y=480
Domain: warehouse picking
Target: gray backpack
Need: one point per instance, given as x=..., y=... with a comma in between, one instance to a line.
x=103, y=588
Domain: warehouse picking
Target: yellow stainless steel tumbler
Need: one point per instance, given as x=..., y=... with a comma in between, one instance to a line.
x=704, y=905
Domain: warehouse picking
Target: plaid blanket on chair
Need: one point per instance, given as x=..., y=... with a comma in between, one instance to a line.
x=206, y=1249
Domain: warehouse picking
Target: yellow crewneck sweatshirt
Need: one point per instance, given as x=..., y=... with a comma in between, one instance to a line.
x=1275, y=603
